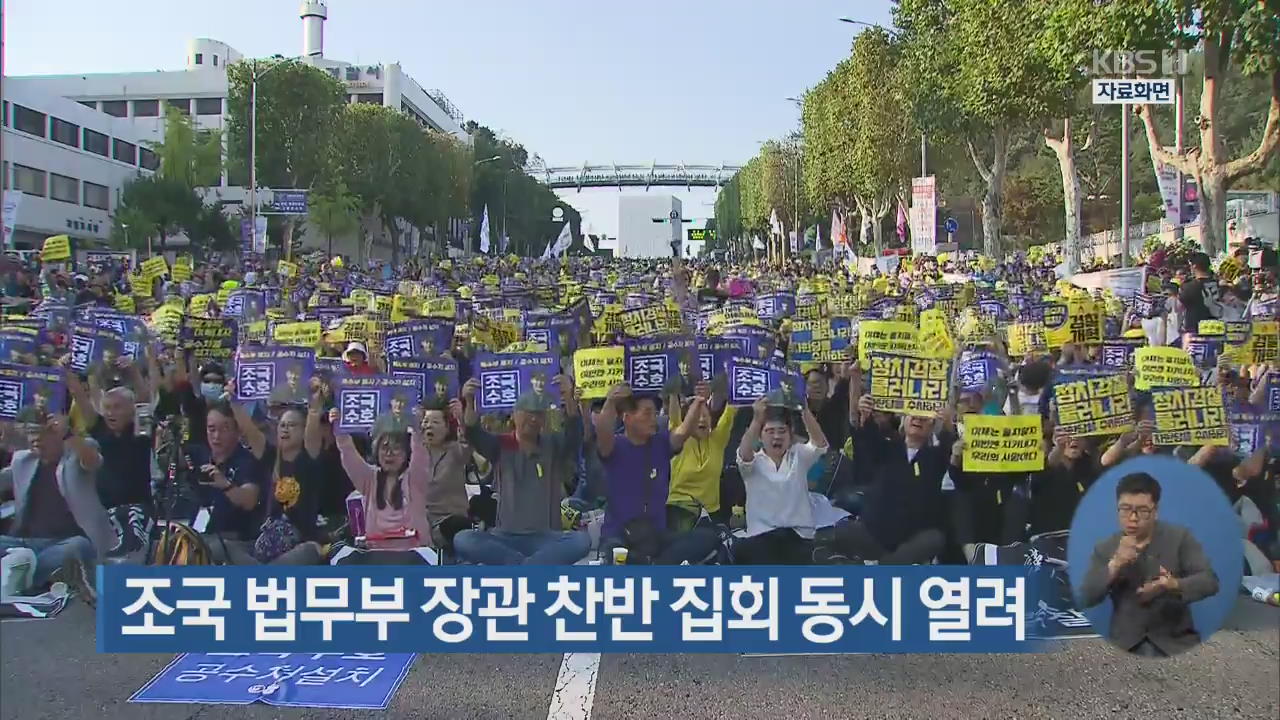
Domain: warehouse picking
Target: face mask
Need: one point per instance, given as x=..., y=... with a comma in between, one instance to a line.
x=211, y=391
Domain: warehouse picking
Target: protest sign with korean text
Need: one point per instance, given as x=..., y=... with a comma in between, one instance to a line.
x=909, y=385
x=369, y=403
x=1118, y=352
x=1094, y=406
x=430, y=338
x=977, y=371
x=244, y=304
x=1190, y=416
x=650, y=320
x=776, y=305
x=437, y=378
x=995, y=443
x=18, y=345
x=934, y=339
x=750, y=379
x=23, y=387
x=1157, y=367
x=93, y=347
x=297, y=334
x=598, y=370
x=279, y=375
x=559, y=333
x=825, y=340
x=884, y=336
x=659, y=366
x=505, y=377
x=1026, y=338
x=209, y=339
x=714, y=355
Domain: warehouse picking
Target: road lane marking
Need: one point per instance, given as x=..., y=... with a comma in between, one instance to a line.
x=575, y=689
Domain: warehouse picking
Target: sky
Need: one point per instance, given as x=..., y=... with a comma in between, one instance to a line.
x=600, y=81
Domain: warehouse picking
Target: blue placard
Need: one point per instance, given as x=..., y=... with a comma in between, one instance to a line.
x=290, y=202
x=658, y=366
x=624, y=609
x=354, y=681
x=977, y=372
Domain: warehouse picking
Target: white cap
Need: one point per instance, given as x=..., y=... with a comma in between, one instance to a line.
x=354, y=345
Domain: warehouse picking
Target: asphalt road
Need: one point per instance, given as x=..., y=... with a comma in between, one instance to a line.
x=50, y=670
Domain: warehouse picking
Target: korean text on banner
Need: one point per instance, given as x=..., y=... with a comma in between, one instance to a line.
x=1266, y=341
x=995, y=443
x=935, y=339
x=1157, y=367
x=155, y=267
x=298, y=334
x=284, y=268
x=56, y=248
x=1095, y=406
x=884, y=336
x=910, y=385
x=658, y=609
x=924, y=212
x=824, y=340
x=597, y=370
x=1190, y=416
x=1026, y=338
x=183, y=266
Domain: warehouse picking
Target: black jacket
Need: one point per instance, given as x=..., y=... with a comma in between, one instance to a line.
x=902, y=497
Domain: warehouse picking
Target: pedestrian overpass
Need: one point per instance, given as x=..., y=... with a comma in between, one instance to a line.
x=646, y=176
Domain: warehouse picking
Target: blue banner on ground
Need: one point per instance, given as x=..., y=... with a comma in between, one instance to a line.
x=352, y=681
x=715, y=609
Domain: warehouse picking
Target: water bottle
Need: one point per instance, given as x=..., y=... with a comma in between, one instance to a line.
x=142, y=419
x=738, y=520
x=17, y=568
x=355, y=515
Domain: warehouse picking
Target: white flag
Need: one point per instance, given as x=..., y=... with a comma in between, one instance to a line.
x=484, y=231
x=775, y=225
x=563, y=242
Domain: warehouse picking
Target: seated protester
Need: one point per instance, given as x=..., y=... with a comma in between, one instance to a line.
x=902, y=517
x=695, y=469
x=395, y=508
x=178, y=395
x=124, y=480
x=1070, y=469
x=528, y=465
x=292, y=474
x=986, y=507
x=637, y=464
x=230, y=482
x=446, y=466
x=58, y=515
x=780, y=524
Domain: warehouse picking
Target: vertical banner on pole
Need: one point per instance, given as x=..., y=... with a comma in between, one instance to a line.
x=924, y=209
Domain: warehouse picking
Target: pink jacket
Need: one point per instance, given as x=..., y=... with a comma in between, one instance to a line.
x=383, y=521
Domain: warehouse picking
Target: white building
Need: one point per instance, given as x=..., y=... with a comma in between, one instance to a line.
x=200, y=90
x=646, y=227
x=70, y=164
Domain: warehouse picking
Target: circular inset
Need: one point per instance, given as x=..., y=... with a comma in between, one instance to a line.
x=1155, y=556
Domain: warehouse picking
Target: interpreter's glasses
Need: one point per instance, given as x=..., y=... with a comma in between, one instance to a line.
x=1142, y=513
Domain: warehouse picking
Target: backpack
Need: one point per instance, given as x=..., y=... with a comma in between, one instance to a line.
x=178, y=544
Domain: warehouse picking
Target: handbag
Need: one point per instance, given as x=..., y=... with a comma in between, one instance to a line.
x=276, y=537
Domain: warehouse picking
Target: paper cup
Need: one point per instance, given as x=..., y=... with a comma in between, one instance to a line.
x=619, y=556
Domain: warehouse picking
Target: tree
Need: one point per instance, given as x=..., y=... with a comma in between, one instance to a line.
x=189, y=157
x=882, y=138
x=166, y=203
x=298, y=108
x=829, y=118
x=333, y=210
x=978, y=78
x=1243, y=34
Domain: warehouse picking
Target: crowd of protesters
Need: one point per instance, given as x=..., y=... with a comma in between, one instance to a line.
x=152, y=459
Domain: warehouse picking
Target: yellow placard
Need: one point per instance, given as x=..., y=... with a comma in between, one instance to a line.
x=287, y=269
x=995, y=443
x=1265, y=341
x=651, y=320
x=934, y=340
x=222, y=295
x=155, y=267
x=124, y=303
x=1156, y=367
x=299, y=334
x=200, y=303
x=229, y=285
x=254, y=332
x=1026, y=338
x=381, y=305
x=1190, y=416
x=1094, y=406
x=360, y=299
x=597, y=370
x=721, y=320
x=443, y=308
x=524, y=346
x=56, y=248
x=885, y=336
x=910, y=385
x=183, y=268
x=140, y=285
x=1078, y=320
x=1212, y=327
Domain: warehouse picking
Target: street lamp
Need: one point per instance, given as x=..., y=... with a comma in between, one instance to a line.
x=488, y=160
x=254, y=76
x=896, y=36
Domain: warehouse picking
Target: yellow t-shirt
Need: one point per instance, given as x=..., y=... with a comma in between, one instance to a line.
x=695, y=471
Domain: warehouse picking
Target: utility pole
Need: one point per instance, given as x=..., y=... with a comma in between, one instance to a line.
x=1126, y=116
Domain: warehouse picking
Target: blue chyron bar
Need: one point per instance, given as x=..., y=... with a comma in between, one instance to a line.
x=610, y=609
